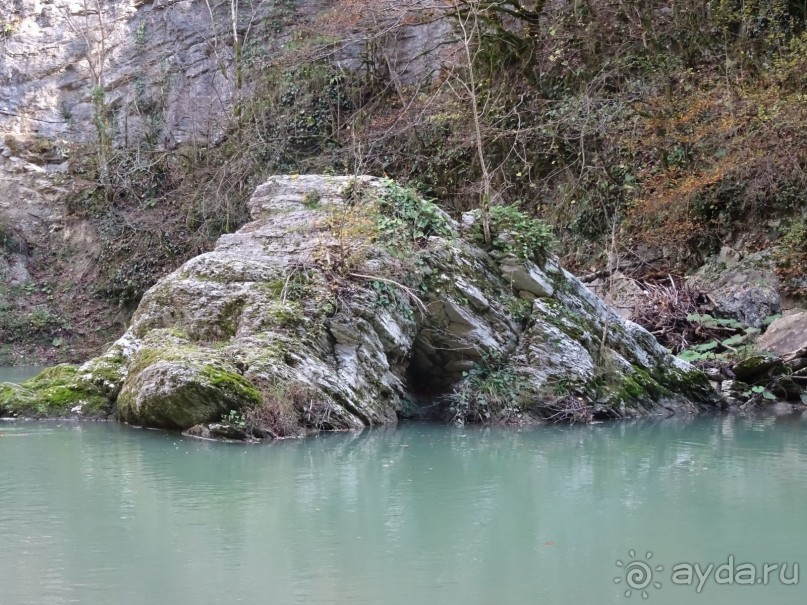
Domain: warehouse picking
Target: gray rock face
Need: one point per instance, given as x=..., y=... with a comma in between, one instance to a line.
x=330, y=309
x=786, y=336
x=165, y=69
x=747, y=290
x=165, y=56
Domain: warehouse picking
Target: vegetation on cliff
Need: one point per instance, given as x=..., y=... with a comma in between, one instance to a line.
x=642, y=130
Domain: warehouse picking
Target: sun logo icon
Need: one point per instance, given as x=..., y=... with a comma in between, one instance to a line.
x=638, y=574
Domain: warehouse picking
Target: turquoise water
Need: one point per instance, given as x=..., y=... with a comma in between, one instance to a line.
x=102, y=514
x=18, y=373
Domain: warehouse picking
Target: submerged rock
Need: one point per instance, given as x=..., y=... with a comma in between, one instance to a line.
x=348, y=300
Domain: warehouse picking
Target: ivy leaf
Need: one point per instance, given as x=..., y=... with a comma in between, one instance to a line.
x=706, y=346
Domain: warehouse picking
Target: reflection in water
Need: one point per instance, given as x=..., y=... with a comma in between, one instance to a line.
x=102, y=513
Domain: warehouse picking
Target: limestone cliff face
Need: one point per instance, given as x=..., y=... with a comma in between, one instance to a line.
x=162, y=74
x=164, y=70
x=344, y=303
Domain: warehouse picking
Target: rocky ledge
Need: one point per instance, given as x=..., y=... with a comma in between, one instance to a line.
x=351, y=302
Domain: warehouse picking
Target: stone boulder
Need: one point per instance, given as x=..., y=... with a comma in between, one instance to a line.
x=746, y=289
x=348, y=302
x=787, y=336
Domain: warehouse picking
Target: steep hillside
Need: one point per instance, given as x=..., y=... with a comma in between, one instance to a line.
x=650, y=133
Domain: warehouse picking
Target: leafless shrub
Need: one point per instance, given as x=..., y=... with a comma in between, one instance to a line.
x=283, y=404
x=569, y=409
x=663, y=311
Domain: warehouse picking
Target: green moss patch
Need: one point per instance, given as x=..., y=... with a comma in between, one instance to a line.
x=55, y=392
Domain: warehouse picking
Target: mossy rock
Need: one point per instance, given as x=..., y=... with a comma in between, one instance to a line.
x=56, y=392
x=754, y=367
x=640, y=391
x=168, y=390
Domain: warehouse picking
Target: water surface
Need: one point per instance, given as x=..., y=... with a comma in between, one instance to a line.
x=100, y=513
x=18, y=373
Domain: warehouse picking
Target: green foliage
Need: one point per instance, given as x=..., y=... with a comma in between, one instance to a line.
x=760, y=390
x=770, y=319
x=520, y=308
x=9, y=241
x=516, y=233
x=732, y=348
x=354, y=228
x=388, y=296
x=298, y=286
x=297, y=111
x=734, y=341
x=405, y=215
x=791, y=258
x=488, y=393
x=311, y=199
x=7, y=28
x=235, y=419
x=140, y=36
x=714, y=322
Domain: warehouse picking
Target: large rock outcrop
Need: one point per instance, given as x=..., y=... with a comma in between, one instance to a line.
x=348, y=301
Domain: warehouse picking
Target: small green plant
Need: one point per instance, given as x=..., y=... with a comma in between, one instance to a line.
x=235, y=419
x=723, y=345
x=520, y=308
x=7, y=28
x=709, y=321
x=760, y=390
x=140, y=36
x=354, y=192
x=770, y=319
x=516, y=233
x=389, y=297
x=312, y=198
x=9, y=242
x=285, y=406
x=403, y=210
x=297, y=286
x=66, y=112
x=488, y=392
x=791, y=258
x=354, y=230
x=41, y=321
